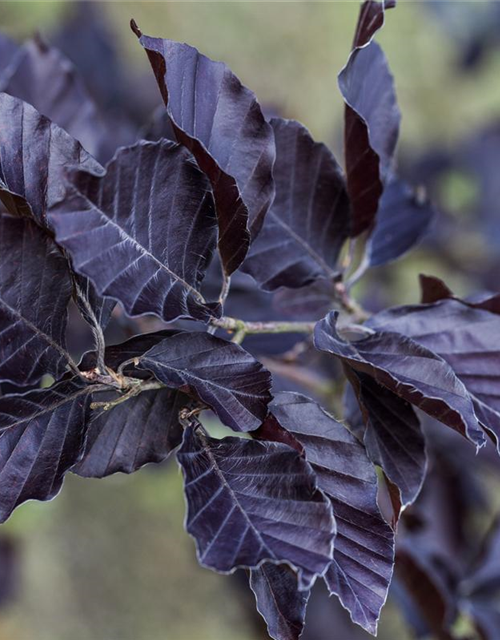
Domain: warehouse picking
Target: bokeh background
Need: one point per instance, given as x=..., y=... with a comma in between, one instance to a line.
x=108, y=559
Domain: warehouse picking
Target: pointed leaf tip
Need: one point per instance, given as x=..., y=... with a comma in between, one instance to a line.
x=135, y=28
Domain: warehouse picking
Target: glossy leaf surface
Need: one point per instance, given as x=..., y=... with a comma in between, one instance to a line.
x=371, y=119
x=251, y=501
x=41, y=436
x=465, y=335
x=139, y=431
x=308, y=222
x=409, y=370
x=392, y=436
x=35, y=290
x=221, y=123
x=34, y=153
x=220, y=373
x=143, y=233
x=364, y=546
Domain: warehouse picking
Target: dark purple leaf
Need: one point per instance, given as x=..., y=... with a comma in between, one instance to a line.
x=35, y=290
x=279, y=601
x=370, y=20
x=371, y=119
x=42, y=434
x=220, y=373
x=403, y=219
x=364, y=547
x=139, y=431
x=392, y=437
x=409, y=370
x=433, y=289
x=308, y=222
x=143, y=232
x=33, y=155
x=43, y=77
x=221, y=123
x=30, y=182
x=250, y=502
x=466, y=336
x=351, y=412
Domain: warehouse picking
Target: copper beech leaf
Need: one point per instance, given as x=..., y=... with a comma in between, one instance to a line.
x=371, y=118
x=221, y=374
x=34, y=154
x=279, y=600
x=465, y=334
x=140, y=431
x=362, y=565
x=308, y=222
x=42, y=434
x=221, y=123
x=391, y=433
x=409, y=370
x=35, y=290
x=144, y=231
x=250, y=502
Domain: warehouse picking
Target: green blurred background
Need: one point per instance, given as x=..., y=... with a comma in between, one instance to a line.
x=108, y=560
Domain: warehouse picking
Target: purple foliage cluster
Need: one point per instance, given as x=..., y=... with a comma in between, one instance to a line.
x=220, y=222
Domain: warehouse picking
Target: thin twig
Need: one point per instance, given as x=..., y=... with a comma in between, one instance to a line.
x=106, y=406
x=100, y=343
x=236, y=325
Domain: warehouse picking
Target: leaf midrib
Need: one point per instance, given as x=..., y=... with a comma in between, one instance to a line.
x=140, y=247
x=48, y=409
